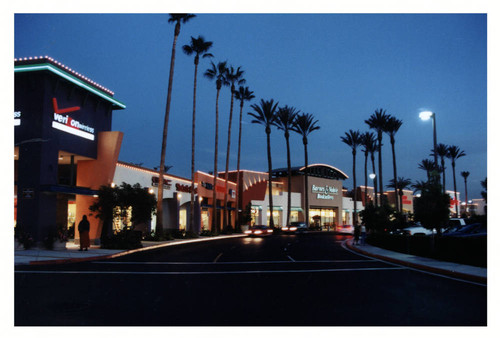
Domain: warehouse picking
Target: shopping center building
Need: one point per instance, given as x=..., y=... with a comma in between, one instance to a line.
x=64, y=149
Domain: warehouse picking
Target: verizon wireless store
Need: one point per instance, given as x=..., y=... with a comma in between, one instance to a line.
x=63, y=144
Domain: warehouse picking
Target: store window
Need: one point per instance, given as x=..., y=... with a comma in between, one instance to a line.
x=277, y=216
x=205, y=219
x=256, y=215
x=324, y=218
x=182, y=219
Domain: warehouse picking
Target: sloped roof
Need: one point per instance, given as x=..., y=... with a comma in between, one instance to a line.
x=315, y=170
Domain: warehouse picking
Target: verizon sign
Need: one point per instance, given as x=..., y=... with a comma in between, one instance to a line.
x=62, y=121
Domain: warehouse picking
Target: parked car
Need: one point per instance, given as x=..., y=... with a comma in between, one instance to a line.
x=455, y=224
x=345, y=229
x=295, y=227
x=417, y=231
x=471, y=230
x=259, y=230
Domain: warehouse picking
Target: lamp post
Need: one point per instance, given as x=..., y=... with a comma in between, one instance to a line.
x=424, y=116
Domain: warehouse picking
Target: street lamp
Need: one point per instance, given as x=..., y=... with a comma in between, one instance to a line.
x=424, y=116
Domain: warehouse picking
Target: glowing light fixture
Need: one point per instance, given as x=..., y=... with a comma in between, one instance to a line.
x=425, y=115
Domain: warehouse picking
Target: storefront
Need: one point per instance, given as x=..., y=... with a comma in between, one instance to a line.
x=253, y=193
x=205, y=183
x=64, y=147
x=176, y=196
x=324, y=192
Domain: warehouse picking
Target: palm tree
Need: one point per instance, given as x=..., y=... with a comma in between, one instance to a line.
x=378, y=121
x=353, y=139
x=243, y=94
x=420, y=186
x=442, y=152
x=391, y=128
x=368, y=143
x=304, y=125
x=197, y=47
x=284, y=121
x=455, y=153
x=233, y=76
x=219, y=74
x=177, y=18
x=465, y=175
x=428, y=166
x=398, y=185
x=265, y=114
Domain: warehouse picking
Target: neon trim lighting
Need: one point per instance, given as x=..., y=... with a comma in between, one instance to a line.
x=70, y=78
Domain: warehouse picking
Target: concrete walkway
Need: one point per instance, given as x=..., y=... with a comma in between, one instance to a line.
x=71, y=253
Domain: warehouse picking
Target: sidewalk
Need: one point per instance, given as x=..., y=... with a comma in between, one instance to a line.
x=467, y=272
x=71, y=254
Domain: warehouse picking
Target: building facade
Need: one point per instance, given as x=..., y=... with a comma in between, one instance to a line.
x=64, y=147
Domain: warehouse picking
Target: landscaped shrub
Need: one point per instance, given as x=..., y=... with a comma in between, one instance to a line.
x=124, y=239
x=462, y=250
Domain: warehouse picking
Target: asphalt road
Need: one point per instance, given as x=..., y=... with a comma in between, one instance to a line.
x=299, y=280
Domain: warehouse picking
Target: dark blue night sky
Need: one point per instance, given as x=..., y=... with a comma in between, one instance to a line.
x=341, y=68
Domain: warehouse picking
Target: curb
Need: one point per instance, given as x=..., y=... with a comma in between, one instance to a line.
x=449, y=273
x=128, y=252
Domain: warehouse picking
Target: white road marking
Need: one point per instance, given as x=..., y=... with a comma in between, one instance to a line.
x=293, y=260
x=217, y=258
x=238, y=263
x=204, y=272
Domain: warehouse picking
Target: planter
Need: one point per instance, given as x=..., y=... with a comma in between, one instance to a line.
x=59, y=245
x=18, y=245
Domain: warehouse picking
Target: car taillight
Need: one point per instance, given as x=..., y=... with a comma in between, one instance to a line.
x=270, y=230
x=258, y=232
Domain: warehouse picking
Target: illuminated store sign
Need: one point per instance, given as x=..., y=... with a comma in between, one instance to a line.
x=65, y=123
x=167, y=184
x=324, y=193
x=185, y=188
x=17, y=118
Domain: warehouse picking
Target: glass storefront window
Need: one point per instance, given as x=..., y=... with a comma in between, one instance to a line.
x=277, y=216
x=324, y=218
x=255, y=211
x=182, y=219
x=205, y=216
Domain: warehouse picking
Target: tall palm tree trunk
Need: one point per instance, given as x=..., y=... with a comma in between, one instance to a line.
x=355, y=218
x=289, y=183
x=191, y=218
x=225, y=210
x=366, y=178
x=375, y=180
x=304, y=140
x=237, y=225
x=270, y=166
x=444, y=178
x=381, y=184
x=466, y=196
x=215, y=223
x=159, y=207
x=396, y=193
x=455, y=188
